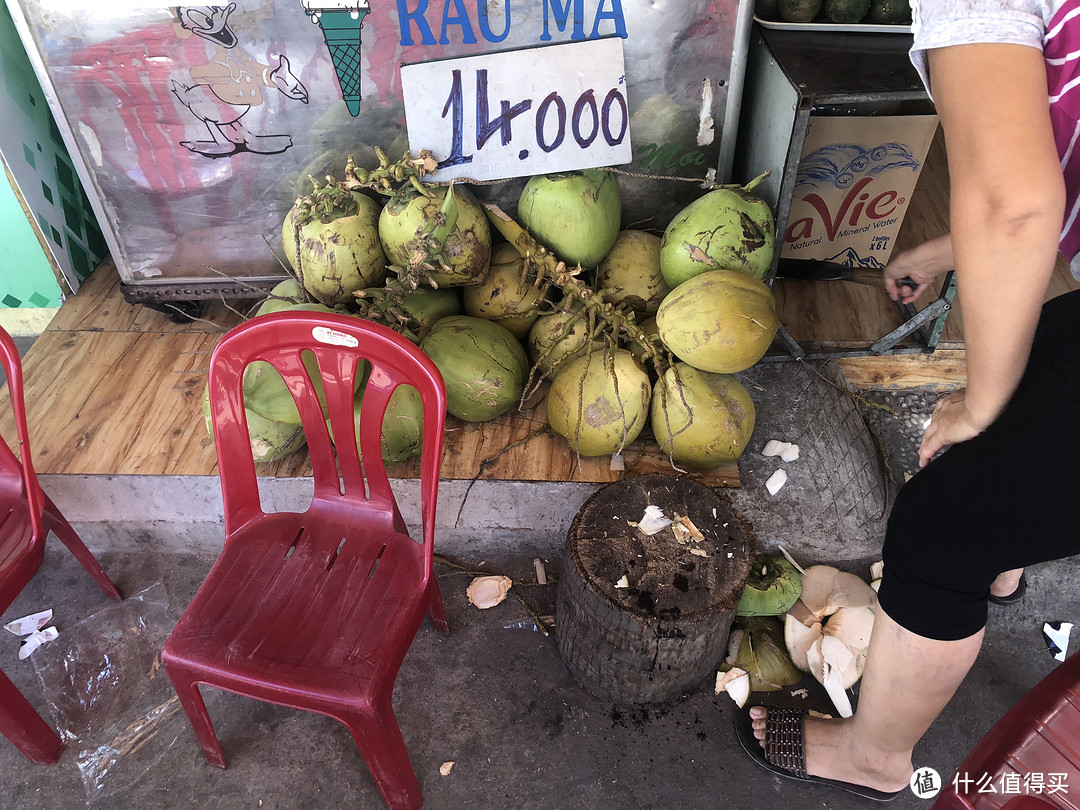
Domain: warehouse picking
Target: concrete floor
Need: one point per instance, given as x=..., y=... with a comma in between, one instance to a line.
x=494, y=697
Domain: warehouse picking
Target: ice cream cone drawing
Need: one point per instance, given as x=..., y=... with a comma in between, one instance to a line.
x=223, y=90
x=341, y=21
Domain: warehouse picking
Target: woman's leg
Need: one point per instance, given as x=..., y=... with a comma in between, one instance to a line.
x=907, y=682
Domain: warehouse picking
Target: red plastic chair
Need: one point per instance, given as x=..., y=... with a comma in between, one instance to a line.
x=316, y=610
x=1040, y=735
x=27, y=515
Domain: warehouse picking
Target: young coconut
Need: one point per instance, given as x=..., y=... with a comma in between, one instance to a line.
x=410, y=215
x=331, y=240
x=720, y=321
x=700, y=419
x=576, y=215
x=482, y=364
x=505, y=296
x=727, y=228
x=630, y=272
x=560, y=337
x=771, y=589
x=600, y=403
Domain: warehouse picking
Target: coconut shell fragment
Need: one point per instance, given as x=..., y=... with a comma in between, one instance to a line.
x=486, y=592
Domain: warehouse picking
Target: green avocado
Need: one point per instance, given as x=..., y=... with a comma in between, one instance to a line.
x=846, y=12
x=889, y=12
x=799, y=11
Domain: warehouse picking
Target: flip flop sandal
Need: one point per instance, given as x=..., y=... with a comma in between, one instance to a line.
x=784, y=753
x=1015, y=596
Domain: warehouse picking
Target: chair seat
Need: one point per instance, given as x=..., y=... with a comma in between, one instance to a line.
x=282, y=609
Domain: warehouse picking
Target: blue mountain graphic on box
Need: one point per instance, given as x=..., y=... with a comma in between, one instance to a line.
x=849, y=257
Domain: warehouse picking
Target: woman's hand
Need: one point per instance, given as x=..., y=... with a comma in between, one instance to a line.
x=951, y=423
x=922, y=265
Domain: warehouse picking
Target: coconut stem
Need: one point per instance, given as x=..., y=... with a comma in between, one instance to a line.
x=604, y=318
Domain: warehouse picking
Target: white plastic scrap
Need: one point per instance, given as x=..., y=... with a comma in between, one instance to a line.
x=623, y=582
x=1057, y=638
x=33, y=627
x=652, y=521
x=776, y=481
x=617, y=462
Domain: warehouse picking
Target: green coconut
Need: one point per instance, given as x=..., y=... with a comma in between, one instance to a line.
x=410, y=215
x=284, y=295
x=331, y=239
x=428, y=306
x=600, y=402
x=721, y=321
x=402, y=428
x=700, y=419
x=482, y=364
x=762, y=653
x=727, y=228
x=505, y=296
x=576, y=215
x=630, y=272
x=773, y=587
x=270, y=440
x=559, y=337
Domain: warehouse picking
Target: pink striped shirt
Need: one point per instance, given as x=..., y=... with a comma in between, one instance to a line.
x=1054, y=28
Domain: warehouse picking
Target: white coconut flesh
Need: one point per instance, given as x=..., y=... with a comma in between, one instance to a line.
x=827, y=631
x=736, y=682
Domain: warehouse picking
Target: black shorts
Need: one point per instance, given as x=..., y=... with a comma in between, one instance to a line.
x=1006, y=499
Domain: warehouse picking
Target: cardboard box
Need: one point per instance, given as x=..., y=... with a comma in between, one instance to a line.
x=855, y=180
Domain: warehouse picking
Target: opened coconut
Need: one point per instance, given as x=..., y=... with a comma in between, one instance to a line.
x=726, y=229
x=700, y=419
x=600, y=402
x=773, y=587
x=482, y=364
x=630, y=272
x=827, y=631
x=505, y=295
x=331, y=240
x=409, y=216
x=719, y=321
x=576, y=215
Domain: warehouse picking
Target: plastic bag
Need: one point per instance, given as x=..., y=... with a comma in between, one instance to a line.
x=113, y=703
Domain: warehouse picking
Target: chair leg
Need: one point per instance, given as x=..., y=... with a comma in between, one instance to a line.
x=24, y=726
x=55, y=520
x=191, y=699
x=379, y=739
x=436, y=608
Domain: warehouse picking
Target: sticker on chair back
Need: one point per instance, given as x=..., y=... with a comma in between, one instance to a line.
x=333, y=337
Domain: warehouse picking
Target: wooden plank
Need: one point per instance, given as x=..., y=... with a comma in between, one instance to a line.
x=942, y=370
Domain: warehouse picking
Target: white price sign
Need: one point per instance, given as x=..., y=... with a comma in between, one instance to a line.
x=517, y=113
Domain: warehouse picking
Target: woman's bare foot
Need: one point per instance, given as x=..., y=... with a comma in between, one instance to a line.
x=832, y=753
x=1007, y=582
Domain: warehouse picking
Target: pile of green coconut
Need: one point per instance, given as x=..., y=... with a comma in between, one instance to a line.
x=626, y=332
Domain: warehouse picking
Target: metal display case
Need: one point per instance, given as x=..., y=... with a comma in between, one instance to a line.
x=194, y=128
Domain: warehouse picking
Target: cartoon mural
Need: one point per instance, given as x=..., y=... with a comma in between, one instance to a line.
x=229, y=85
x=341, y=21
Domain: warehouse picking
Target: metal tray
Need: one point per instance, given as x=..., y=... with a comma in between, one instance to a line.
x=852, y=28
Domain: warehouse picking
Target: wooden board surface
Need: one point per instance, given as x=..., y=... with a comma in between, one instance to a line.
x=116, y=389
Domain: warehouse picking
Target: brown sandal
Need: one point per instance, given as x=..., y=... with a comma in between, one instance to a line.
x=784, y=753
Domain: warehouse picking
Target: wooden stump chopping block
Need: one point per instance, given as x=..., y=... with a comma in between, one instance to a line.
x=663, y=629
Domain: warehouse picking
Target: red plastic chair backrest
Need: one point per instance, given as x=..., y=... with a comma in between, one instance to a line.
x=17, y=476
x=346, y=487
